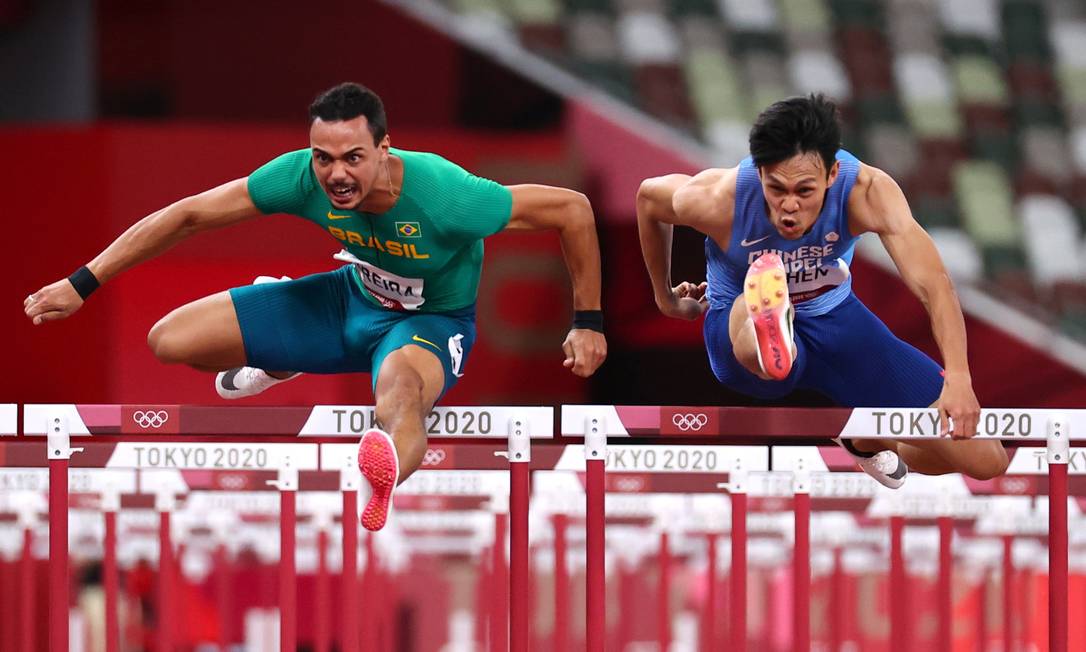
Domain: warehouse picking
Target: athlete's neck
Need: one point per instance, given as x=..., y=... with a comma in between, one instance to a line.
x=386, y=191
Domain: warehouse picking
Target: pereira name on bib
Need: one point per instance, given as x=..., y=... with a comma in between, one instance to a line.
x=392, y=291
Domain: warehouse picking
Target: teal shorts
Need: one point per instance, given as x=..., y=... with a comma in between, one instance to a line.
x=324, y=324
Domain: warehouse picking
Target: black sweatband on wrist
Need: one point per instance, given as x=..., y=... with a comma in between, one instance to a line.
x=590, y=319
x=84, y=282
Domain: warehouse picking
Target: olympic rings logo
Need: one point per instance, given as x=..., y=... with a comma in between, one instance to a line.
x=433, y=457
x=629, y=485
x=150, y=418
x=232, y=481
x=687, y=422
x=1015, y=485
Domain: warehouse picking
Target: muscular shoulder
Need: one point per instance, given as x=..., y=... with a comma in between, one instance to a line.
x=875, y=202
x=708, y=196
x=455, y=200
x=430, y=174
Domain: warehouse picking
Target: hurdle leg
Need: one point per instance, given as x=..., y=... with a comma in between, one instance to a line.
x=708, y=619
x=898, y=604
x=982, y=613
x=482, y=601
x=663, y=593
x=1008, y=593
x=837, y=601
x=561, y=641
x=223, y=594
x=1058, y=452
x=737, y=599
x=945, y=587
x=59, y=452
x=111, y=502
x=28, y=593
x=801, y=563
x=371, y=614
x=520, y=456
x=287, y=484
x=595, y=451
x=628, y=600
x=499, y=615
x=349, y=481
x=1025, y=608
x=324, y=601
x=165, y=503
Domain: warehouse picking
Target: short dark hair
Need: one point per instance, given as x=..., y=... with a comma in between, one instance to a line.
x=797, y=125
x=347, y=101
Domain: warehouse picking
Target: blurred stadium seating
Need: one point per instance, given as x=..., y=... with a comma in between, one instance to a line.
x=976, y=107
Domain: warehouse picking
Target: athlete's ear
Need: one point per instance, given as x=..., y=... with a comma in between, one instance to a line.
x=386, y=142
x=832, y=176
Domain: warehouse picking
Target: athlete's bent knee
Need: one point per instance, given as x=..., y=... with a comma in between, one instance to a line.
x=403, y=393
x=988, y=463
x=167, y=344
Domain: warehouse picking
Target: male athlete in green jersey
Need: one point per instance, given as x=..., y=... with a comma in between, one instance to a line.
x=411, y=225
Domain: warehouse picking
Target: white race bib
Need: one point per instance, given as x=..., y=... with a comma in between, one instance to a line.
x=808, y=279
x=393, y=291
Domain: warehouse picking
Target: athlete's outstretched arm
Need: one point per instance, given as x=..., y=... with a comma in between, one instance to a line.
x=538, y=208
x=222, y=206
x=663, y=202
x=881, y=207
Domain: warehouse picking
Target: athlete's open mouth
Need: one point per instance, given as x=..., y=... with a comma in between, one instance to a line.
x=343, y=194
x=789, y=226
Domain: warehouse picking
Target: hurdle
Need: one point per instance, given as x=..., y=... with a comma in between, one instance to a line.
x=125, y=436
x=1039, y=427
x=236, y=438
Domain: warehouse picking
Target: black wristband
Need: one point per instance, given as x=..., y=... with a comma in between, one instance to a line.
x=590, y=319
x=84, y=282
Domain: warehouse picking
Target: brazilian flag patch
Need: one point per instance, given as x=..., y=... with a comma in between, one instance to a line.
x=408, y=229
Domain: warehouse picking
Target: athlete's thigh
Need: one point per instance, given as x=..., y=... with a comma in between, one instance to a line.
x=447, y=338
x=731, y=373
x=297, y=325
x=856, y=361
x=204, y=332
x=410, y=361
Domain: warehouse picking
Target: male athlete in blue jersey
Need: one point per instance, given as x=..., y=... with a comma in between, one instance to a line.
x=779, y=310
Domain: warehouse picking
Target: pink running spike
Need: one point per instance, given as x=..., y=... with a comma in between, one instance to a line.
x=378, y=462
x=766, y=291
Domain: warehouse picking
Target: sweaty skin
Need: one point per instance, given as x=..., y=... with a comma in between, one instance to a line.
x=794, y=190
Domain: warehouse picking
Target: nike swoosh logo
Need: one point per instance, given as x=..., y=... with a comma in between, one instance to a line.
x=747, y=243
x=416, y=338
x=333, y=216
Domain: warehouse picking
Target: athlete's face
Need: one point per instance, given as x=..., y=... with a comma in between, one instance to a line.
x=346, y=160
x=794, y=190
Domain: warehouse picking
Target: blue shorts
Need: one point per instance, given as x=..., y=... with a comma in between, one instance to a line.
x=847, y=354
x=324, y=324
